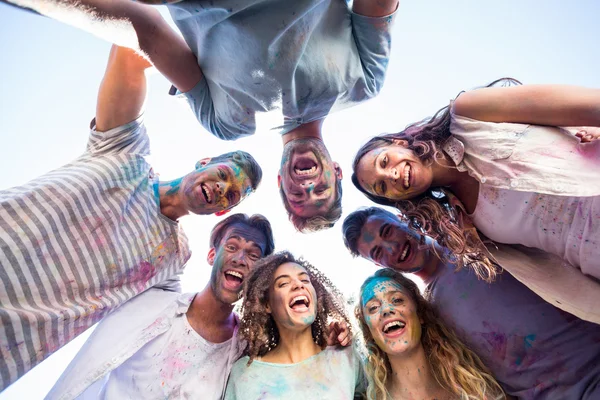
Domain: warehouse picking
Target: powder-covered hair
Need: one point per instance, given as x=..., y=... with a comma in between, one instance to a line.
x=246, y=162
x=256, y=221
x=455, y=367
x=258, y=327
x=316, y=222
x=425, y=139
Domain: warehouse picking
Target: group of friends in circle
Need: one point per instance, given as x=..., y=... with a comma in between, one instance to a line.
x=493, y=202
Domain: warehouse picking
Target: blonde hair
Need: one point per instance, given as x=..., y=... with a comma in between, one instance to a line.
x=455, y=367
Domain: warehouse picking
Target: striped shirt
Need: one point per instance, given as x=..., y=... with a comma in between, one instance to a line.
x=79, y=242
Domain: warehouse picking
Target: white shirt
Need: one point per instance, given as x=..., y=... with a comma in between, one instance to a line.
x=177, y=364
x=124, y=335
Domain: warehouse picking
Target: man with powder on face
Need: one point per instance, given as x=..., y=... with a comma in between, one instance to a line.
x=80, y=241
x=301, y=59
x=534, y=350
x=164, y=344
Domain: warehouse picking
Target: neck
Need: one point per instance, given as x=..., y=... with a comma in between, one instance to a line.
x=445, y=172
x=412, y=377
x=207, y=310
x=304, y=131
x=293, y=347
x=434, y=264
x=171, y=203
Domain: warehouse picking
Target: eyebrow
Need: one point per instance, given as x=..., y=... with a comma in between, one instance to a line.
x=240, y=237
x=381, y=229
x=287, y=276
x=372, y=252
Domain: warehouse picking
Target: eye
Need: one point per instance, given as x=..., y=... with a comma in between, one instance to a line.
x=382, y=187
x=384, y=161
x=230, y=247
x=305, y=280
x=386, y=232
x=372, y=309
x=254, y=256
x=397, y=300
x=222, y=174
x=282, y=284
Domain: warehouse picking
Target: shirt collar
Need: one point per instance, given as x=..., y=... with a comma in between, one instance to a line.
x=455, y=149
x=184, y=301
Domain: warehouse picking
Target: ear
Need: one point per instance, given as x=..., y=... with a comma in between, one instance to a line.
x=278, y=180
x=211, y=256
x=202, y=162
x=400, y=142
x=338, y=170
x=268, y=308
x=222, y=212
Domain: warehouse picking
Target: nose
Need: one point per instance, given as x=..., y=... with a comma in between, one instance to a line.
x=393, y=174
x=221, y=188
x=297, y=284
x=388, y=310
x=239, y=259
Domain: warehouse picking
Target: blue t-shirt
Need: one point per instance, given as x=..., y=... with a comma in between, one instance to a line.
x=534, y=350
x=302, y=57
x=333, y=374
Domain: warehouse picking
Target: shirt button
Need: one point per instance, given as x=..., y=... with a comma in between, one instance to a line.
x=483, y=179
x=514, y=183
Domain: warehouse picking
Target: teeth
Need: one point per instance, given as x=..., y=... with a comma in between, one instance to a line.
x=298, y=298
x=406, y=176
x=305, y=171
x=235, y=273
x=405, y=252
x=393, y=323
x=206, y=193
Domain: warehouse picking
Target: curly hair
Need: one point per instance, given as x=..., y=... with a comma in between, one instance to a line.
x=455, y=367
x=317, y=222
x=258, y=327
x=256, y=221
x=426, y=138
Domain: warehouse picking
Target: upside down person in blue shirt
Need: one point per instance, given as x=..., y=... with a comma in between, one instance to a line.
x=301, y=59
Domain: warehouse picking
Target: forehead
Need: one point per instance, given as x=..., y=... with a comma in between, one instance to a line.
x=289, y=268
x=251, y=235
x=379, y=287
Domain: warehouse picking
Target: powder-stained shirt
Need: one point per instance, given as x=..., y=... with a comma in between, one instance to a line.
x=302, y=58
x=179, y=364
x=332, y=374
x=78, y=242
x=534, y=350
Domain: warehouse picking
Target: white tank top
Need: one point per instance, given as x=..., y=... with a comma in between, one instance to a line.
x=568, y=227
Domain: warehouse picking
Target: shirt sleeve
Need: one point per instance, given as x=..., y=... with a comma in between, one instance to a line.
x=129, y=138
x=373, y=38
x=201, y=102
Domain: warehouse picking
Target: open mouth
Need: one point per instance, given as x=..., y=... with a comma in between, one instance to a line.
x=406, y=177
x=406, y=251
x=299, y=303
x=392, y=327
x=234, y=278
x=305, y=167
x=206, y=193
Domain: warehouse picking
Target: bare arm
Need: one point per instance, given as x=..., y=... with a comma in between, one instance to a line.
x=128, y=24
x=558, y=105
x=374, y=8
x=123, y=89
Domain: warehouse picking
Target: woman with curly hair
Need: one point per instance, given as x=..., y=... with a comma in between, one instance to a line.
x=521, y=180
x=411, y=353
x=287, y=305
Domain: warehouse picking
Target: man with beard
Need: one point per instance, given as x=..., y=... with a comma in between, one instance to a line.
x=164, y=344
x=303, y=59
x=534, y=350
x=80, y=241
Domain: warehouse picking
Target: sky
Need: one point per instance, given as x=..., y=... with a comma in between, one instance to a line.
x=50, y=73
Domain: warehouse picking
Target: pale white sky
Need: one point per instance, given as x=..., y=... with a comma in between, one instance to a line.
x=50, y=74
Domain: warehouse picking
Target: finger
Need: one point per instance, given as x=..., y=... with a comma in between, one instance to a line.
x=346, y=341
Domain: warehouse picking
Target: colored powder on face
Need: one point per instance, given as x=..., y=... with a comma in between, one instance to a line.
x=374, y=287
x=368, y=237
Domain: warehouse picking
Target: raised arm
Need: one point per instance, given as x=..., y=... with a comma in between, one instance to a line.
x=127, y=24
x=559, y=105
x=123, y=89
x=374, y=8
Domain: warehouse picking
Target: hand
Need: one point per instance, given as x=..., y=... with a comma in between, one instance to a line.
x=588, y=134
x=338, y=334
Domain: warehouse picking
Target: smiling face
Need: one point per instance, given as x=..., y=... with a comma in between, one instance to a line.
x=393, y=172
x=391, y=316
x=215, y=187
x=389, y=242
x=308, y=177
x=292, y=298
x=240, y=248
